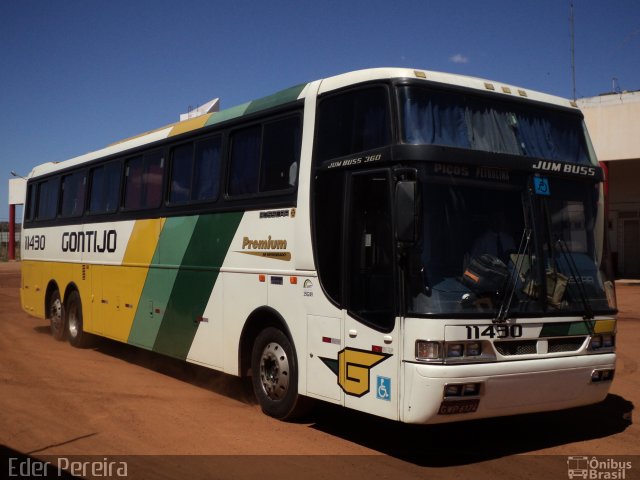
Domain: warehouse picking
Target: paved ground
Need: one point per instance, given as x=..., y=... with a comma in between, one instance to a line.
x=115, y=400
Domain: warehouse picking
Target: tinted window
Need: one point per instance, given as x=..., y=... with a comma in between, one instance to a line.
x=264, y=158
x=73, y=191
x=195, y=171
x=370, y=250
x=105, y=188
x=245, y=161
x=143, y=188
x=133, y=187
x=181, y=173
x=329, y=200
x=31, y=202
x=47, y=199
x=353, y=122
x=280, y=154
x=479, y=123
x=206, y=182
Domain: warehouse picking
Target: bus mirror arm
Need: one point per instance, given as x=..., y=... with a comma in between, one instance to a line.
x=407, y=213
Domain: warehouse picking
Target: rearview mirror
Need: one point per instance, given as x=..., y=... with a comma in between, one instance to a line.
x=407, y=212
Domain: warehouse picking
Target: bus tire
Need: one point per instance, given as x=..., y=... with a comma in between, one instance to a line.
x=275, y=375
x=57, y=316
x=73, y=312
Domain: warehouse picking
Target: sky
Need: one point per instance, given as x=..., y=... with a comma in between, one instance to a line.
x=76, y=75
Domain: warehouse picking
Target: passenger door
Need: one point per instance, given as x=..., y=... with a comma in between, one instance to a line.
x=369, y=364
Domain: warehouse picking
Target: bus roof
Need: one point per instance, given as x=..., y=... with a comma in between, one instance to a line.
x=346, y=79
x=298, y=92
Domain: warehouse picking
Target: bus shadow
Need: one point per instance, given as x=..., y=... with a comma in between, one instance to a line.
x=199, y=376
x=43, y=329
x=475, y=441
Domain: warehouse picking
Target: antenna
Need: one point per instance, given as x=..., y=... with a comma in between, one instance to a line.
x=615, y=85
x=573, y=50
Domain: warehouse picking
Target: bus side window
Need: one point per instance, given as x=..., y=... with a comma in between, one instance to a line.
x=353, y=122
x=143, y=184
x=152, y=180
x=195, y=171
x=264, y=158
x=280, y=154
x=133, y=183
x=73, y=194
x=112, y=173
x=245, y=161
x=47, y=203
x=181, y=173
x=328, y=203
x=206, y=181
x=104, y=193
x=31, y=202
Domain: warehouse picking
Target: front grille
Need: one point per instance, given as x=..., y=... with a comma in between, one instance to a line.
x=517, y=347
x=557, y=345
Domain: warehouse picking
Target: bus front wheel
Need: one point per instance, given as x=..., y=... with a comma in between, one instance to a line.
x=57, y=316
x=275, y=374
x=73, y=312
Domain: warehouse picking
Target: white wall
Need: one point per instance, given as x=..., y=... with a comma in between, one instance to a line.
x=613, y=121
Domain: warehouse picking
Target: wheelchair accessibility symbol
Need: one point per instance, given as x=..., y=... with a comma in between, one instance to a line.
x=383, y=388
x=541, y=186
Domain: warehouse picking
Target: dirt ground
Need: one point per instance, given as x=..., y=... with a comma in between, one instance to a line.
x=167, y=419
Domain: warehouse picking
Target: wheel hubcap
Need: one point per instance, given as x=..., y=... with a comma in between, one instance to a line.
x=274, y=371
x=55, y=314
x=73, y=322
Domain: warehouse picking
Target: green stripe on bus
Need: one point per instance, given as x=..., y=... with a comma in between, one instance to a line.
x=566, y=329
x=172, y=245
x=285, y=96
x=195, y=281
x=227, y=114
x=280, y=98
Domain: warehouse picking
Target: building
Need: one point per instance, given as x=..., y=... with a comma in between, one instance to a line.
x=613, y=121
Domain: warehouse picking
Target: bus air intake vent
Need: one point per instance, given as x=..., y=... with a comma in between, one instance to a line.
x=557, y=345
x=518, y=347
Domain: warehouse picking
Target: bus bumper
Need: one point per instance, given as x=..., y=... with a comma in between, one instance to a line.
x=506, y=388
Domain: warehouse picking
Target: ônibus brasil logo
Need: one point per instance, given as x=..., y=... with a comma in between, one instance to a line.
x=597, y=468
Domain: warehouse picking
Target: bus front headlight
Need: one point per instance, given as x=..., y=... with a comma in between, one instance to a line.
x=428, y=350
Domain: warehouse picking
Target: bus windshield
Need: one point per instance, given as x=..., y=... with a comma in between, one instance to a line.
x=436, y=117
x=490, y=247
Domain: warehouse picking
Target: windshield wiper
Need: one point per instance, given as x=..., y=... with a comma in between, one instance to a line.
x=573, y=271
x=512, y=282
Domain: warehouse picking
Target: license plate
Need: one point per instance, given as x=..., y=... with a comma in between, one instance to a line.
x=452, y=407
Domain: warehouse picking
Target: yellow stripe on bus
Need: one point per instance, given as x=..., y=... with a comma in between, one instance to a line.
x=143, y=242
x=189, y=125
x=125, y=283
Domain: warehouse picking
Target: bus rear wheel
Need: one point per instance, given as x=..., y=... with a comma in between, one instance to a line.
x=275, y=375
x=73, y=312
x=57, y=316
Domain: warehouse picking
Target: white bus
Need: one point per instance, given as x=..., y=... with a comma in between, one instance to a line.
x=416, y=245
